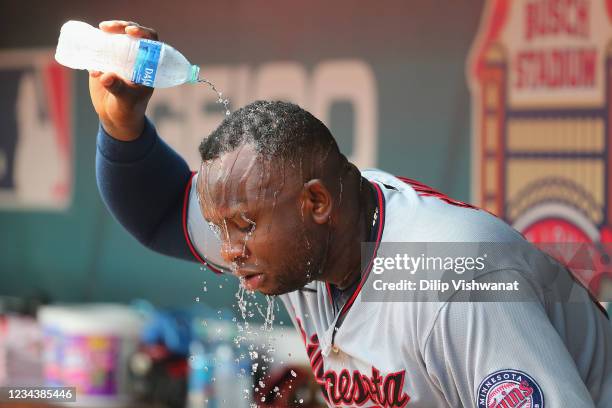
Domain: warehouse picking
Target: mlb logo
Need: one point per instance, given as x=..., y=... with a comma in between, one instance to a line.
x=35, y=131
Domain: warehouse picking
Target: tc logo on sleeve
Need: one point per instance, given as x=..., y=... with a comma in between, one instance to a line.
x=509, y=389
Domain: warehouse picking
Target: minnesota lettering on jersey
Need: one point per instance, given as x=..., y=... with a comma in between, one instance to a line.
x=356, y=388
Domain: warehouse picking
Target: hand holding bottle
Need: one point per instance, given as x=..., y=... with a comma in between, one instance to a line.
x=120, y=103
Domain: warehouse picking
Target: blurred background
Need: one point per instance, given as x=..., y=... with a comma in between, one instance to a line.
x=389, y=81
x=504, y=104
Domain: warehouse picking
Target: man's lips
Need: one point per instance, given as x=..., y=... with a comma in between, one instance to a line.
x=251, y=280
x=244, y=272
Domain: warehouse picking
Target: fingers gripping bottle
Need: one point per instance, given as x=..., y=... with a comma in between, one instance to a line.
x=146, y=62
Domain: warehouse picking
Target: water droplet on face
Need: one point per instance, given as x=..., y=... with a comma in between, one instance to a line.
x=215, y=229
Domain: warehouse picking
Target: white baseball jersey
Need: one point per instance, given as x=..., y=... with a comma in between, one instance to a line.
x=444, y=354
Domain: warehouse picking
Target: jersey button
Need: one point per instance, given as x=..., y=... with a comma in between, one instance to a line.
x=335, y=349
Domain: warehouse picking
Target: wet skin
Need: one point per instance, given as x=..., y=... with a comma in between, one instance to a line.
x=281, y=226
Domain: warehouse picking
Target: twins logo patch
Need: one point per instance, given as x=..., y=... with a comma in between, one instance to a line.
x=509, y=389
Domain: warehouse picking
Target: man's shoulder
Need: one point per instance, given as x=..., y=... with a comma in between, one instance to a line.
x=417, y=212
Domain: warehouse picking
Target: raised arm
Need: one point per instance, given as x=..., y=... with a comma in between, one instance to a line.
x=144, y=183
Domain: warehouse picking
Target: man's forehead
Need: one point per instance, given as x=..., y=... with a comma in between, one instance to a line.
x=242, y=181
x=234, y=159
x=241, y=167
x=234, y=182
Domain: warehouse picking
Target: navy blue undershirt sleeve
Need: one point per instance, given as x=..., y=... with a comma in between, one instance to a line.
x=143, y=183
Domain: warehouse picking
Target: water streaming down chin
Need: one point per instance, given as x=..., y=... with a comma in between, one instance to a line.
x=261, y=352
x=269, y=314
x=247, y=303
x=222, y=233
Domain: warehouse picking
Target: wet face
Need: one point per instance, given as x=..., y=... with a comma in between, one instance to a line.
x=263, y=214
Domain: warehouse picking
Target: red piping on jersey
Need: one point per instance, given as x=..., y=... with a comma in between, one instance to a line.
x=186, y=232
x=381, y=225
x=424, y=190
x=329, y=293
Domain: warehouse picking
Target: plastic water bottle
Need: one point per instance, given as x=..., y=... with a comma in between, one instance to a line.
x=146, y=62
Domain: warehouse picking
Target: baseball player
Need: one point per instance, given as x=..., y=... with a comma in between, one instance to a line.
x=277, y=204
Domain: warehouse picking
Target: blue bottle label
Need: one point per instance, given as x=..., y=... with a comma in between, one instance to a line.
x=146, y=63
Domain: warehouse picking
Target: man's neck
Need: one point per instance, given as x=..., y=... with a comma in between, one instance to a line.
x=345, y=254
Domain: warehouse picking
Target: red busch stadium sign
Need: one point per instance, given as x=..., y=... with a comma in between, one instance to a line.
x=540, y=75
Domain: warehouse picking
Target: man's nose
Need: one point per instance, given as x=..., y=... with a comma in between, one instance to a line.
x=233, y=251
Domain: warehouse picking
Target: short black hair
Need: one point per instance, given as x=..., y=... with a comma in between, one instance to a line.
x=279, y=130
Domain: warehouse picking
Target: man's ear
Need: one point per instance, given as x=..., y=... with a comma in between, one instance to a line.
x=318, y=200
